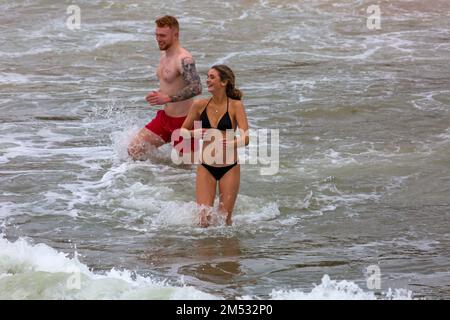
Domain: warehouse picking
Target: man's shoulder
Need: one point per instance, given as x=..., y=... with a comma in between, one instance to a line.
x=185, y=55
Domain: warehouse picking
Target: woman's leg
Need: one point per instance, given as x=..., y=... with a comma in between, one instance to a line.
x=228, y=191
x=205, y=193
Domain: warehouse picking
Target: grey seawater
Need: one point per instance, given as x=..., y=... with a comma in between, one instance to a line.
x=363, y=119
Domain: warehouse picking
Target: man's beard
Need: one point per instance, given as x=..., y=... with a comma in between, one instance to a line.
x=164, y=47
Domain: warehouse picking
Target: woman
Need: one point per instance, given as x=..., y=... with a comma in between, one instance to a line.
x=220, y=116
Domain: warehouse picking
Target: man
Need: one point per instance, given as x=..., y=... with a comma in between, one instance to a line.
x=179, y=82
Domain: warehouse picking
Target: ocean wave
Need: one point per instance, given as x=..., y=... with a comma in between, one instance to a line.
x=37, y=271
x=339, y=290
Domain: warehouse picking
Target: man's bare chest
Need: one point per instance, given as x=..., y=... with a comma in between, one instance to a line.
x=168, y=71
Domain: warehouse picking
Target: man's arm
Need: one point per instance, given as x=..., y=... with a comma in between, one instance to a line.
x=191, y=78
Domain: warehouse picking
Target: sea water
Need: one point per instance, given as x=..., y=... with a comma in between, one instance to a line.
x=359, y=205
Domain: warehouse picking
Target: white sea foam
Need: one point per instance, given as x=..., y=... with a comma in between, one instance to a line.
x=8, y=209
x=330, y=158
x=252, y=211
x=37, y=271
x=255, y=53
x=445, y=135
x=115, y=38
x=33, y=51
x=174, y=213
x=13, y=78
x=338, y=290
x=160, y=211
x=29, y=271
x=426, y=102
x=244, y=15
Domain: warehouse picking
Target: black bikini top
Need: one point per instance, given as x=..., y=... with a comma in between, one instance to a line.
x=223, y=124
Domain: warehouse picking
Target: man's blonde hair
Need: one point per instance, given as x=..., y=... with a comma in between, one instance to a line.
x=167, y=21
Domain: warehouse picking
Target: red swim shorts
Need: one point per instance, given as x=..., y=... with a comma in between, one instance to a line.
x=164, y=125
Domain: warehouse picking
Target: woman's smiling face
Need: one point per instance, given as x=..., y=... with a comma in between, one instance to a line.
x=213, y=81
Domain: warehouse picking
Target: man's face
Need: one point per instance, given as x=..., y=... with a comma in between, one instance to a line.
x=165, y=37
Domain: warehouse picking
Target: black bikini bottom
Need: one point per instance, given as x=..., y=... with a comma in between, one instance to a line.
x=218, y=172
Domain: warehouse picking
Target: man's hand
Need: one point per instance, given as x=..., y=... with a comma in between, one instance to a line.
x=156, y=98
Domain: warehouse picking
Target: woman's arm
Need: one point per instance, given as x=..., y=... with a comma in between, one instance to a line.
x=242, y=123
x=192, y=116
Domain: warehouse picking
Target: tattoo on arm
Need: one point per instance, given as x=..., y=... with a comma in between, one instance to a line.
x=191, y=78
